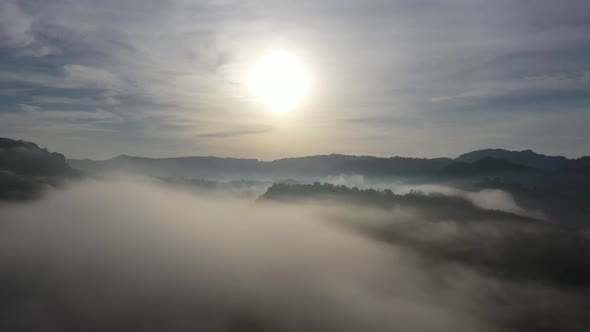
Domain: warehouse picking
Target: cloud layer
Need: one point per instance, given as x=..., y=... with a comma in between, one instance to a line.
x=128, y=254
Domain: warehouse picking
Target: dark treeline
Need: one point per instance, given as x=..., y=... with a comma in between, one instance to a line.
x=26, y=170
x=429, y=206
x=564, y=199
x=236, y=188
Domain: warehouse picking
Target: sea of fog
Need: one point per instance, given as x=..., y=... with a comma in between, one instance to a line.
x=130, y=254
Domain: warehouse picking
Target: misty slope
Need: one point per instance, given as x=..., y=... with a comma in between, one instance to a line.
x=26, y=169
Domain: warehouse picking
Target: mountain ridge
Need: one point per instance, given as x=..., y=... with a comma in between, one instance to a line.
x=468, y=156
x=26, y=169
x=525, y=157
x=495, y=162
x=474, y=163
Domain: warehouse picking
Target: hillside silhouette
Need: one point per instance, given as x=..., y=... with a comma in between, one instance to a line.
x=482, y=162
x=26, y=169
x=431, y=206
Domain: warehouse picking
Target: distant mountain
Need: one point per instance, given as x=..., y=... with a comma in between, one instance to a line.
x=185, y=167
x=27, y=158
x=335, y=164
x=395, y=166
x=26, y=169
x=525, y=158
x=481, y=162
x=311, y=166
x=484, y=166
x=581, y=165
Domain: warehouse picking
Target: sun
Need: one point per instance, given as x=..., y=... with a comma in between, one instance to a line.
x=279, y=81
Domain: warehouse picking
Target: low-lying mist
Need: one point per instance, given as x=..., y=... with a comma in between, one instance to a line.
x=133, y=255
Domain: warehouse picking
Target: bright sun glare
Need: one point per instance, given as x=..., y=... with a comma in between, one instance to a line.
x=279, y=81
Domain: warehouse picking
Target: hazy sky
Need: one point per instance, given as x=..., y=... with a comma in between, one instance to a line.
x=409, y=77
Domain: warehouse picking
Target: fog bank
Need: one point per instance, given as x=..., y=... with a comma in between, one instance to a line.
x=123, y=255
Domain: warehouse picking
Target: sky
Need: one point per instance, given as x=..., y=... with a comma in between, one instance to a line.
x=420, y=78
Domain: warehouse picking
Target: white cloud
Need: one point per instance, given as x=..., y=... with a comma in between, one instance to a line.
x=15, y=25
x=62, y=100
x=33, y=120
x=88, y=77
x=29, y=108
x=527, y=86
x=16, y=31
x=73, y=77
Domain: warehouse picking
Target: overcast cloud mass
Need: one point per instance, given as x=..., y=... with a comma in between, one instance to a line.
x=415, y=78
